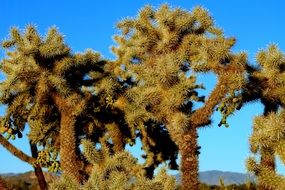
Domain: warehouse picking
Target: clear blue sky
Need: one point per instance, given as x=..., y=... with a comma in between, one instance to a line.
x=87, y=24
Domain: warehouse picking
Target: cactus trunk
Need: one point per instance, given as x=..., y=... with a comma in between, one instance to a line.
x=189, y=160
x=68, y=148
x=267, y=160
x=69, y=160
x=38, y=170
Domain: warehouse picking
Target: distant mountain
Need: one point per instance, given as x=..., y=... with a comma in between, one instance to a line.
x=25, y=181
x=9, y=174
x=213, y=177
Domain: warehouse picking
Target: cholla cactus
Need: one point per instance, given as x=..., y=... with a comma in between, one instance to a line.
x=268, y=134
x=155, y=56
x=268, y=83
x=63, y=97
x=118, y=172
x=43, y=88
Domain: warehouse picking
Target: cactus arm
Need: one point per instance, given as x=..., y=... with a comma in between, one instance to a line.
x=201, y=117
x=15, y=151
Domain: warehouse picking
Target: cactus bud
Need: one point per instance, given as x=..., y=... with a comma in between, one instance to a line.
x=8, y=136
x=13, y=137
